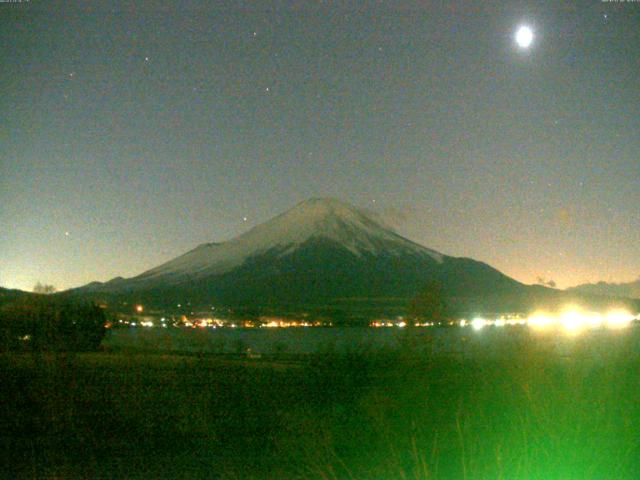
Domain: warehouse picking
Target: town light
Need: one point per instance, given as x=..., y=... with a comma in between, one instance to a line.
x=478, y=323
x=618, y=319
x=539, y=321
x=572, y=321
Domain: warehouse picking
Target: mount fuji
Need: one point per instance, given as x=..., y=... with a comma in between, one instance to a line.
x=322, y=252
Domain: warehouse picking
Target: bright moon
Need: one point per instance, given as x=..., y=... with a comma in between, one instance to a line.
x=524, y=36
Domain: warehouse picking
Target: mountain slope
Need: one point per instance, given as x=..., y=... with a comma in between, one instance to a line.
x=321, y=252
x=629, y=289
x=9, y=295
x=326, y=219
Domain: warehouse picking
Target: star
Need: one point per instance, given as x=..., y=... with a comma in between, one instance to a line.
x=146, y=59
x=66, y=234
x=244, y=219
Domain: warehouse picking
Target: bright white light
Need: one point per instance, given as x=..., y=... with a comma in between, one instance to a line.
x=500, y=322
x=402, y=324
x=524, y=36
x=572, y=321
x=539, y=321
x=593, y=320
x=478, y=323
x=618, y=319
x=463, y=323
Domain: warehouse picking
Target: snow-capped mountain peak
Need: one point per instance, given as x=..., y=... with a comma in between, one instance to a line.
x=318, y=218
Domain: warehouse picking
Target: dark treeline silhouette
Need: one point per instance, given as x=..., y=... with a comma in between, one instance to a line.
x=41, y=323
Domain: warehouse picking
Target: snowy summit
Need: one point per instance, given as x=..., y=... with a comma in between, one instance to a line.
x=320, y=218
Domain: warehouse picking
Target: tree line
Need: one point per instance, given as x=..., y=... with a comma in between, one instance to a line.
x=38, y=323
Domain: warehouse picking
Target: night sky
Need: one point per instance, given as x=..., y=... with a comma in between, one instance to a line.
x=132, y=132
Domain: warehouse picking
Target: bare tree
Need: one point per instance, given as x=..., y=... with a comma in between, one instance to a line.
x=43, y=288
x=429, y=304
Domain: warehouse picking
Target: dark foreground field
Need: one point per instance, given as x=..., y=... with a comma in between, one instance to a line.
x=528, y=414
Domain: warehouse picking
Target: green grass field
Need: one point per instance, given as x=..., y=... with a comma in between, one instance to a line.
x=527, y=414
